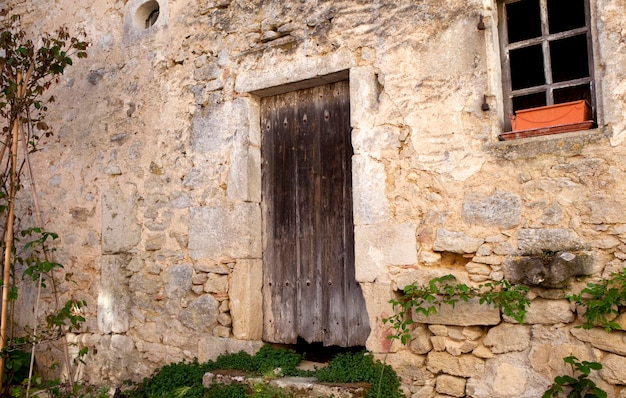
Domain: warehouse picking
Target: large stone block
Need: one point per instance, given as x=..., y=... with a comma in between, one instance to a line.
x=201, y=314
x=368, y=190
x=244, y=176
x=510, y=380
x=456, y=242
x=210, y=347
x=216, y=128
x=364, y=91
x=121, y=344
x=246, y=300
x=409, y=367
x=508, y=375
x=420, y=342
x=421, y=276
x=547, y=358
x=312, y=70
x=508, y=337
x=121, y=231
x=462, y=314
x=377, y=296
x=217, y=284
x=451, y=385
x=145, y=283
x=538, y=240
x=114, y=296
x=378, y=246
x=375, y=141
x=178, y=280
x=221, y=232
x=605, y=209
x=501, y=209
x=614, y=369
x=548, y=312
x=614, y=342
x=463, y=366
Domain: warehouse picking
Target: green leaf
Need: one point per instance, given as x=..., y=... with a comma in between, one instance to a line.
x=594, y=365
x=570, y=359
x=597, y=393
x=565, y=380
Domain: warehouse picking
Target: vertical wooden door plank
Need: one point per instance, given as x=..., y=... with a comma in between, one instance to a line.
x=280, y=257
x=332, y=134
x=308, y=218
x=268, y=182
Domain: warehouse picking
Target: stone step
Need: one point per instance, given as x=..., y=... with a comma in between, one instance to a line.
x=298, y=387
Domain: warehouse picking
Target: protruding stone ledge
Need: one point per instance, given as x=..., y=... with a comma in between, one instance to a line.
x=470, y=313
x=565, y=144
x=549, y=270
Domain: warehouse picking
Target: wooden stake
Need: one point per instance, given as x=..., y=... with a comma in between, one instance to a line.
x=8, y=245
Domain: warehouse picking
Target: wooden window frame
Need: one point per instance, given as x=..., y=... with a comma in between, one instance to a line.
x=545, y=39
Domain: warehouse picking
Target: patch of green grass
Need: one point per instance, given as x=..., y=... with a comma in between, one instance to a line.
x=184, y=379
x=226, y=391
x=361, y=367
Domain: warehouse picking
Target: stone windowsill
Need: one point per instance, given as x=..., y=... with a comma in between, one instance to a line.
x=564, y=144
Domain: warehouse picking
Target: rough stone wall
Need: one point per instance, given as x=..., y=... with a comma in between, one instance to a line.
x=152, y=180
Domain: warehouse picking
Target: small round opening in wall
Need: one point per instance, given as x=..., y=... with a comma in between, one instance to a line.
x=147, y=14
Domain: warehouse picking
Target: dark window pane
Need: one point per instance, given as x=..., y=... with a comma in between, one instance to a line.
x=569, y=58
x=527, y=67
x=523, y=20
x=575, y=93
x=565, y=15
x=529, y=101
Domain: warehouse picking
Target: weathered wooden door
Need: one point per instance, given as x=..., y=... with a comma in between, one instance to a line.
x=309, y=286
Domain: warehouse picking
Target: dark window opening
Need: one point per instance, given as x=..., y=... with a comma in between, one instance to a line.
x=527, y=67
x=529, y=101
x=546, y=54
x=571, y=15
x=569, y=58
x=524, y=20
x=147, y=14
x=574, y=93
x=152, y=18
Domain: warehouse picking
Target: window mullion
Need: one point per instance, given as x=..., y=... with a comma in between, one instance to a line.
x=506, y=64
x=550, y=37
x=590, y=58
x=545, y=45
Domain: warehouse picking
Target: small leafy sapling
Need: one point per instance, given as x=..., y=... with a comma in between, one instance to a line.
x=28, y=68
x=580, y=386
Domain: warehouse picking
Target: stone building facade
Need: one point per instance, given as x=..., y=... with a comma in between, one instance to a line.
x=153, y=180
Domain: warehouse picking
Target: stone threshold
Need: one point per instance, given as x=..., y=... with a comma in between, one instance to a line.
x=297, y=387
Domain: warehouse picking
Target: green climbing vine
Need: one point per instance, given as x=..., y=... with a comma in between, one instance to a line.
x=603, y=301
x=511, y=299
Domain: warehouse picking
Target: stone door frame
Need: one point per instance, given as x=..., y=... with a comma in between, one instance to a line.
x=364, y=90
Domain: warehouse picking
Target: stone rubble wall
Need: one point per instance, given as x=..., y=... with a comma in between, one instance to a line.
x=153, y=183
